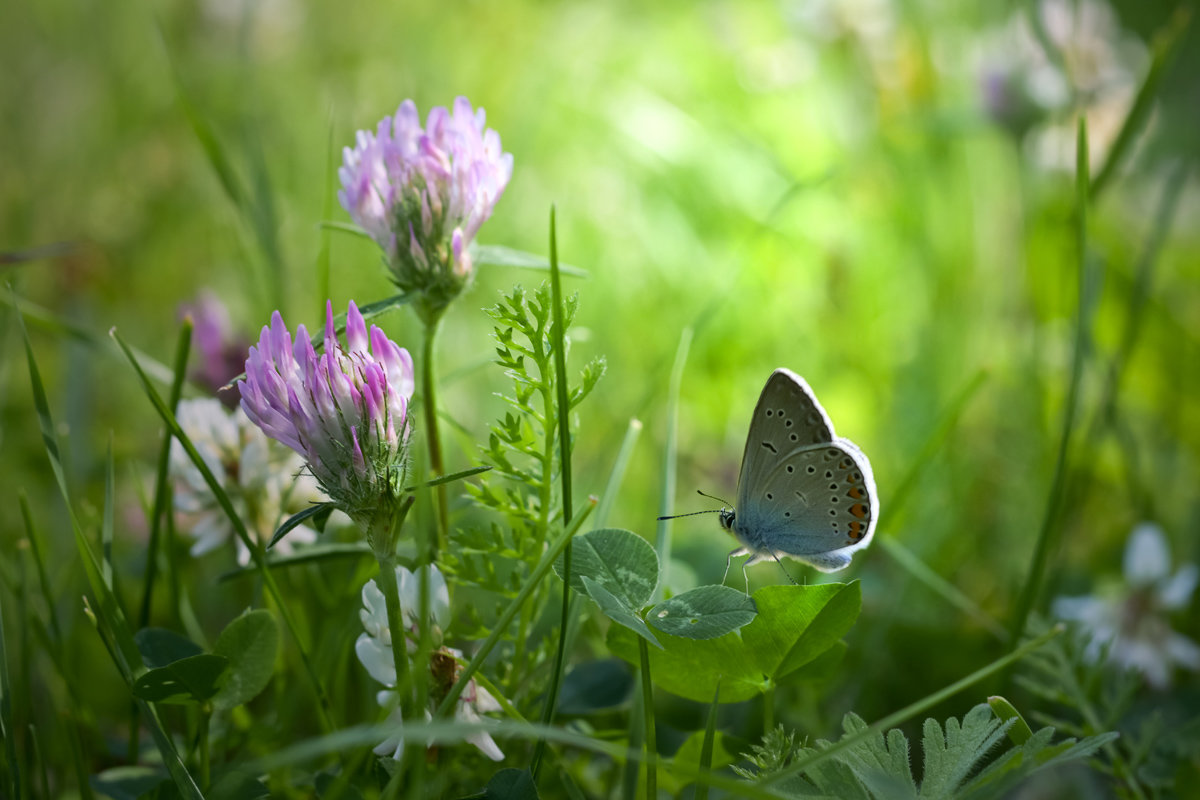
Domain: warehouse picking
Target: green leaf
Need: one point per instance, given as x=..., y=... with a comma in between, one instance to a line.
x=705, y=612
x=250, y=643
x=615, y=609
x=500, y=256
x=619, y=560
x=792, y=629
x=511, y=784
x=1020, y=731
x=318, y=513
x=821, y=615
x=595, y=686
x=193, y=679
x=160, y=647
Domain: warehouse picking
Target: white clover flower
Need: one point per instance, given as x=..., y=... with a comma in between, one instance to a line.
x=264, y=480
x=374, y=651
x=1132, y=617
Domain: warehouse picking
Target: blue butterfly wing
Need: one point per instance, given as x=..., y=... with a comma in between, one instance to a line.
x=803, y=492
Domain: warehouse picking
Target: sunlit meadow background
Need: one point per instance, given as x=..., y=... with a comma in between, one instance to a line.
x=878, y=196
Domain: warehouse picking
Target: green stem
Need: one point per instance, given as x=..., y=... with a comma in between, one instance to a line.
x=385, y=531
x=769, y=710
x=205, y=719
x=1037, y=568
x=649, y=743
x=436, y=464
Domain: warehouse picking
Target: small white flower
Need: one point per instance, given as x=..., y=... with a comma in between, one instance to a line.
x=1132, y=617
x=265, y=481
x=374, y=651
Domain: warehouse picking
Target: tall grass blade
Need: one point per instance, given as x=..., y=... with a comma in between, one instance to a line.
x=558, y=336
x=162, y=483
x=666, y=502
x=8, y=729
x=1046, y=537
x=1165, y=47
x=109, y=617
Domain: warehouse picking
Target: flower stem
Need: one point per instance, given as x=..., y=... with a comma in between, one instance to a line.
x=436, y=464
x=649, y=740
x=383, y=536
x=391, y=597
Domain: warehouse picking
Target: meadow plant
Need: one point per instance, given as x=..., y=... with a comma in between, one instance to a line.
x=512, y=643
x=266, y=481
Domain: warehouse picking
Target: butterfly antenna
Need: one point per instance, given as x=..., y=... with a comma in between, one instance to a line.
x=692, y=514
x=785, y=572
x=713, y=497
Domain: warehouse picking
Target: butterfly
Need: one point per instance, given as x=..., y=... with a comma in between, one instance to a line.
x=803, y=491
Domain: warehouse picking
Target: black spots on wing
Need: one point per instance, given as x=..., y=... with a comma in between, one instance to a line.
x=770, y=447
x=794, y=437
x=828, y=473
x=788, y=423
x=770, y=496
x=770, y=413
x=811, y=469
x=790, y=468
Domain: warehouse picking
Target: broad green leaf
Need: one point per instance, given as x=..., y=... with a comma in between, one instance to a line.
x=595, y=686
x=511, y=784
x=615, y=609
x=160, y=646
x=250, y=643
x=705, y=612
x=128, y=783
x=805, y=622
x=619, y=560
x=193, y=679
x=791, y=625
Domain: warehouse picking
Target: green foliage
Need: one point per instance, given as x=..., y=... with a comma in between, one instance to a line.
x=961, y=761
x=795, y=625
x=251, y=644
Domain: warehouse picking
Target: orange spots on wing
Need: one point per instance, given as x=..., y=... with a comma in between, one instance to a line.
x=856, y=493
x=856, y=530
x=859, y=510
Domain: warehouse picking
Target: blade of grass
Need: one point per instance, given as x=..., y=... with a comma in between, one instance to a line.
x=912, y=710
x=43, y=319
x=8, y=728
x=108, y=615
x=617, y=473
x=1046, y=537
x=322, y=265
x=500, y=256
x=706, y=749
x=257, y=553
x=309, y=555
x=162, y=484
x=666, y=503
x=558, y=337
x=1165, y=47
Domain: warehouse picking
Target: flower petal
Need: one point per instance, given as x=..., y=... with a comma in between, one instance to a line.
x=1147, y=557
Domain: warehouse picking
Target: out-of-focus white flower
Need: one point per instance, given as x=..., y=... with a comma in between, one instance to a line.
x=1056, y=59
x=264, y=480
x=374, y=651
x=1131, y=618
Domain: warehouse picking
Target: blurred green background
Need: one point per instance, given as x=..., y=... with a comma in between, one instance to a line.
x=879, y=196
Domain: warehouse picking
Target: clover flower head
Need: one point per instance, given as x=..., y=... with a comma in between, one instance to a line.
x=345, y=410
x=423, y=193
x=263, y=480
x=1131, y=618
x=374, y=651
x=221, y=350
